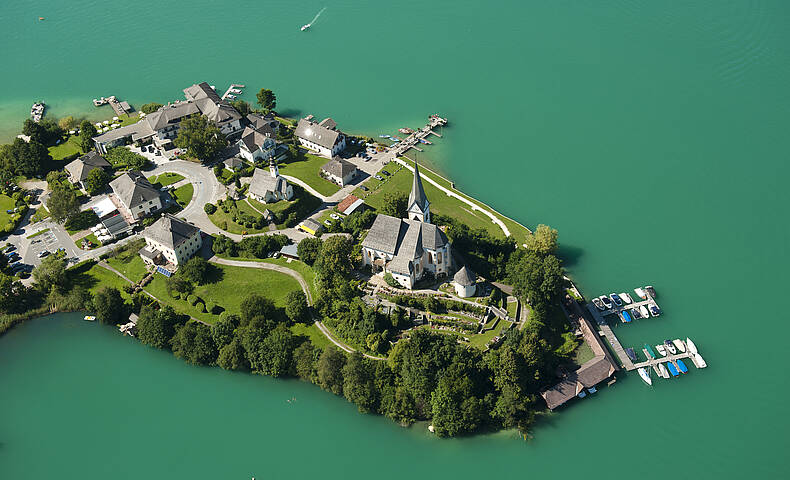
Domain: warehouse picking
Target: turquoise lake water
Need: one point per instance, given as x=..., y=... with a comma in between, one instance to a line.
x=652, y=135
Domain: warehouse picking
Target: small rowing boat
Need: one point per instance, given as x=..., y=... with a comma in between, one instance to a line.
x=89, y=318
x=672, y=370
x=650, y=351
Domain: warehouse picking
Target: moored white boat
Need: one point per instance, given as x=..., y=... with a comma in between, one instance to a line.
x=650, y=290
x=643, y=311
x=606, y=301
x=679, y=344
x=663, y=371
x=89, y=318
x=626, y=298
x=662, y=350
x=670, y=348
x=690, y=345
x=640, y=293
x=645, y=374
x=698, y=360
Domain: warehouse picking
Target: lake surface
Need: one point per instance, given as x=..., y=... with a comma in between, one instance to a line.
x=653, y=135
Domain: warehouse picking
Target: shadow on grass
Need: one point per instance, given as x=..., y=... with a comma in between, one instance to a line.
x=78, y=276
x=214, y=274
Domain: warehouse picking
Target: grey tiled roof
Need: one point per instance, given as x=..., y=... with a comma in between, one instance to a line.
x=401, y=265
x=133, y=188
x=170, y=231
x=253, y=138
x=170, y=115
x=433, y=238
x=385, y=234
x=81, y=167
x=266, y=123
x=262, y=182
x=594, y=372
x=339, y=167
x=201, y=90
x=315, y=133
x=464, y=277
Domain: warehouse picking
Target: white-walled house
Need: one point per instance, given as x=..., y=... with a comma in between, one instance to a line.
x=256, y=144
x=269, y=187
x=339, y=171
x=170, y=240
x=322, y=138
x=136, y=194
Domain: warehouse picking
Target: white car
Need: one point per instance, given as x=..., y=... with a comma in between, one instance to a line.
x=334, y=216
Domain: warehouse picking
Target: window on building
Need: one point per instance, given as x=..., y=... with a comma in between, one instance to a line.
x=439, y=257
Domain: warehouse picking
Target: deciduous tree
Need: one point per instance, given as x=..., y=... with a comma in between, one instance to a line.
x=308, y=250
x=330, y=370
x=97, y=180
x=296, y=307
x=394, y=204
x=150, y=107
x=109, y=306
x=87, y=132
x=63, y=205
x=51, y=274
x=200, y=138
x=543, y=240
x=267, y=99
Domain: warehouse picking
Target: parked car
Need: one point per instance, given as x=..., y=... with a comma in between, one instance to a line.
x=327, y=223
x=385, y=173
x=43, y=253
x=363, y=188
x=378, y=177
x=334, y=216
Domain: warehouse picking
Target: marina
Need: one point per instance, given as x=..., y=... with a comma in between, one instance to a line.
x=232, y=91
x=120, y=108
x=671, y=352
x=418, y=136
x=37, y=111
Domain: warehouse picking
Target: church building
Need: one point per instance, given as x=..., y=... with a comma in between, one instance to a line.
x=407, y=248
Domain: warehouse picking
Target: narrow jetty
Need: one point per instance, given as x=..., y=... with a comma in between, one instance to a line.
x=234, y=88
x=119, y=107
x=412, y=140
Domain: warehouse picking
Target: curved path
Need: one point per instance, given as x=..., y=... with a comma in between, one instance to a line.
x=451, y=193
x=303, y=283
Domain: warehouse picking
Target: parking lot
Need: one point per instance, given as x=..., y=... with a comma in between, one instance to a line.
x=39, y=243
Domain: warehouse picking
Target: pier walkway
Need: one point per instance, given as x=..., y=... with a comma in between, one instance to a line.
x=121, y=108
x=412, y=140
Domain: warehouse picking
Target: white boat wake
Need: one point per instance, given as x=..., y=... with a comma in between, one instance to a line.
x=308, y=25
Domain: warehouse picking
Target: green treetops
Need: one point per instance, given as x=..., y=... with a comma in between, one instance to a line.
x=109, y=306
x=150, y=107
x=63, y=205
x=543, y=240
x=200, y=138
x=87, y=132
x=267, y=99
x=97, y=180
x=395, y=204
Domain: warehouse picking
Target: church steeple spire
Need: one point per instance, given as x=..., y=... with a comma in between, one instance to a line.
x=419, y=206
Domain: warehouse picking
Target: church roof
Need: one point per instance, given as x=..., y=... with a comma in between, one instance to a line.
x=263, y=181
x=417, y=194
x=465, y=277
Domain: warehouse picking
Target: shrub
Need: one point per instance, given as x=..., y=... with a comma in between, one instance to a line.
x=210, y=307
x=201, y=307
x=192, y=299
x=209, y=208
x=175, y=294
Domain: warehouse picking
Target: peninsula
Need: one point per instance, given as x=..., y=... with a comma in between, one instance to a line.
x=238, y=238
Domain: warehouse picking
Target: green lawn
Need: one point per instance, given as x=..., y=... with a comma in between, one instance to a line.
x=305, y=270
x=95, y=277
x=308, y=170
x=480, y=341
x=225, y=220
x=130, y=264
x=440, y=202
x=583, y=353
x=66, y=149
x=92, y=238
x=512, y=308
x=6, y=203
x=317, y=338
x=304, y=205
x=165, y=179
x=183, y=194
x=231, y=286
x=41, y=214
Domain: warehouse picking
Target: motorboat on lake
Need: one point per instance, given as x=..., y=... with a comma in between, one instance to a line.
x=650, y=290
x=616, y=299
x=682, y=366
x=643, y=311
x=626, y=298
x=645, y=374
x=640, y=293
x=698, y=360
x=672, y=369
x=654, y=310
x=679, y=344
x=625, y=316
x=662, y=350
x=650, y=352
x=631, y=354
x=606, y=301
x=663, y=371
x=690, y=345
x=635, y=314
x=670, y=347
x=304, y=27
x=598, y=304
x=582, y=394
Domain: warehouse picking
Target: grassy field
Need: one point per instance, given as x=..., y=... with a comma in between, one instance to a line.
x=401, y=180
x=183, y=194
x=230, y=286
x=583, y=353
x=440, y=202
x=130, y=264
x=305, y=270
x=6, y=203
x=95, y=277
x=308, y=170
x=65, y=149
x=218, y=217
x=304, y=205
x=480, y=341
x=317, y=338
x=91, y=237
x=41, y=214
x=165, y=179
x=512, y=308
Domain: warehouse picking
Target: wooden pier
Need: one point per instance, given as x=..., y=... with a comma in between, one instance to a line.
x=233, y=86
x=121, y=108
x=413, y=139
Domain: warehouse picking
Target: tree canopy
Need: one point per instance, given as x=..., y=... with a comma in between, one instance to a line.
x=109, y=306
x=157, y=327
x=87, y=132
x=63, y=205
x=193, y=343
x=195, y=270
x=543, y=240
x=51, y=274
x=22, y=158
x=395, y=204
x=150, y=107
x=200, y=138
x=308, y=249
x=97, y=181
x=296, y=307
x=267, y=99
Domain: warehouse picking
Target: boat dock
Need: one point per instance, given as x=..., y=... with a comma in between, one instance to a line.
x=607, y=332
x=413, y=139
x=230, y=90
x=120, y=108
